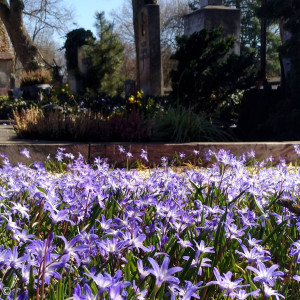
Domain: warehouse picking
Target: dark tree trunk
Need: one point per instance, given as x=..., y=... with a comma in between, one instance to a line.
x=12, y=18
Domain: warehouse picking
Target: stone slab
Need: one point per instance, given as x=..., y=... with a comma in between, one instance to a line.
x=150, y=68
x=39, y=152
x=277, y=150
x=213, y=16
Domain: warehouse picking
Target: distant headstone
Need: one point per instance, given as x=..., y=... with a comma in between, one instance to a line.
x=83, y=62
x=6, y=61
x=75, y=78
x=150, y=68
x=213, y=14
x=210, y=2
x=130, y=88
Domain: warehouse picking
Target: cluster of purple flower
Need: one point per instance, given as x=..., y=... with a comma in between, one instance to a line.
x=98, y=233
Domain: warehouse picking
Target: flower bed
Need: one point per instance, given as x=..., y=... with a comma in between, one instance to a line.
x=226, y=231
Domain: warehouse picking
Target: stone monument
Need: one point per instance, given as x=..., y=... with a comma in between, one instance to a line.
x=74, y=76
x=6, y=62
x=213, y=14
x=150, y=79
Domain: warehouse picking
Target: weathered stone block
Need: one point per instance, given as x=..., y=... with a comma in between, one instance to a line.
x=150, y=68
x=213, y=16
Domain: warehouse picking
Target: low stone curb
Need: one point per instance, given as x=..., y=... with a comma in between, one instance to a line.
x=40, y=150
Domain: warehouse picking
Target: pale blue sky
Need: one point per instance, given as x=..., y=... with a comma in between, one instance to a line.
x=84, y=11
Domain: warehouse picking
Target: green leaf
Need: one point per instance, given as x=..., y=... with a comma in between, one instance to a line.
x=30, y=287
x=59, y=291
x=160, y=294
x=257, y=204
x=51, y=293
x=219, y=236
x=275, y=230
x=41, y=190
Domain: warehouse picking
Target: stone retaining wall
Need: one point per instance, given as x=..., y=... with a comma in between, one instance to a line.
x=39, y=151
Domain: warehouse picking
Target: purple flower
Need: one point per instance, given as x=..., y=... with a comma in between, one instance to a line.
x=129, y=155
x=121, y=149
x=269, y=292
x=196, y=152
x=144, y=155
x=21, y=209
x=184, y=243
x=186, y=293
x=232, y=232
x=13, y=259
x=251, y=154
x=181, y=155
x=163, y=273
x=265, y=274
x=22, y=236
x=59, y=216
x=11, y=225
x=252, y=241
x=225, y=282
x=25, y=152
x=140, y=295
x=252, y=255
x=37, y=248
x=88, y=294
x=296, y=277
x=112, y=245
x=198, y=262
x=242, y=294
x=3, y=256
x=143, y=272
x=296, y=250
x=72, y=250
x=164, y=161
x=297, y=149
x=59, y=154
x=105, y=224
x=103, y=282
x=201, y=247
x=51, y=268
x=69, y=155
x=135, y=240
x=115, y=291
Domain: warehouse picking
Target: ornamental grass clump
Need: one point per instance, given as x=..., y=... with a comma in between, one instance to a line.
x=84, y=125
x=221, y=232
x=39, y=76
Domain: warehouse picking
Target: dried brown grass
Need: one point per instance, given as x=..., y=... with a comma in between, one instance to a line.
x=54, y=125
x=39, y=76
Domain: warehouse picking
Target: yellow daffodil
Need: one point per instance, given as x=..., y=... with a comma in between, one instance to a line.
x=131, y=99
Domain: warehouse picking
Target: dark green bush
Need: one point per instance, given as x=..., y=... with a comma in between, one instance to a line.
x=208, y=74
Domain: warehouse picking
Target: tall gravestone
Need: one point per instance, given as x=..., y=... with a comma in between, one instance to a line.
x=6, y=61
x=150, y=79
x=75, y=76
x=213, y=14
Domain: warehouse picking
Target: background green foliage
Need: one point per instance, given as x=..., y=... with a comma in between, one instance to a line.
x=181, y=125
x=250, y=33
x=207, y=74
x=75, y=39
x=289, y=14
x=105, y=56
